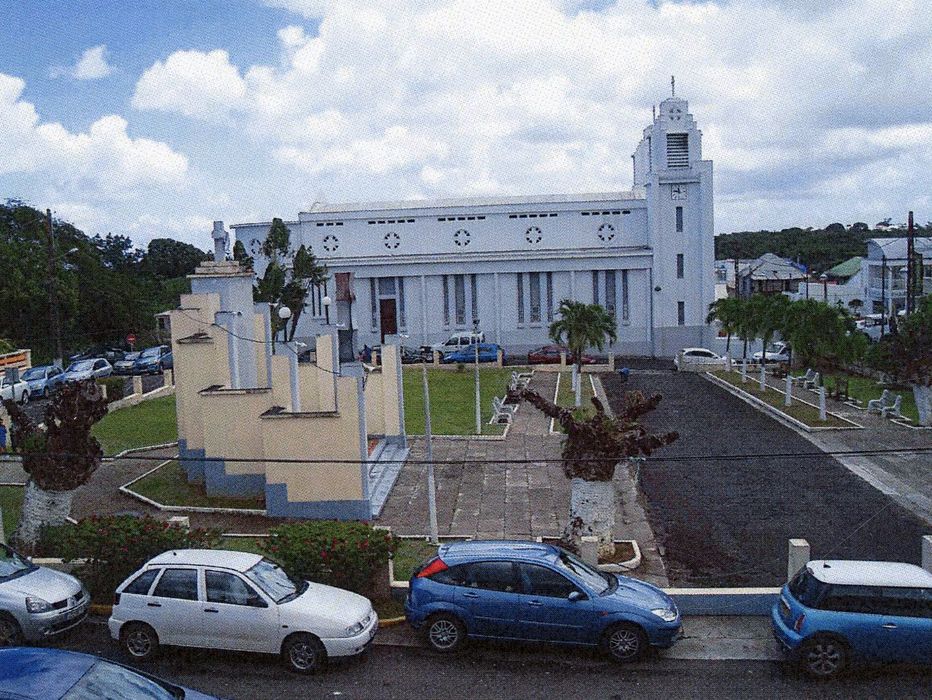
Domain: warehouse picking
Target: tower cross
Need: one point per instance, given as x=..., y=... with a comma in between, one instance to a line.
x=673, y=86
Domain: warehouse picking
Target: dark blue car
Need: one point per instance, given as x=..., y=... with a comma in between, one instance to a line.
x=488, y=352
x=528, y=591
x=55, y=674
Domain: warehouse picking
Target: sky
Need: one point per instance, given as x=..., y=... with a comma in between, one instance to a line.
x=152, y=119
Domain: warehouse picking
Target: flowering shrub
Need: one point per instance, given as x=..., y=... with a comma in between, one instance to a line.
x=116, y=546
x=349, y=555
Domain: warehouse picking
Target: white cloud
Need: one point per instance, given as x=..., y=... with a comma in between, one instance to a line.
x=311, y=9
x=193, y=83
x=92, y=65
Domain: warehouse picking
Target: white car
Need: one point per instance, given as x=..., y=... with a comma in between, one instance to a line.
x=14, y=391
x=689, y=358
x=217, y=599
x=777, y=352
x=457, y=341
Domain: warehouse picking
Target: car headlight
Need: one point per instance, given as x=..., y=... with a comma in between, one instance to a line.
x=665, y=614
x=353, y=630
x=37, y=605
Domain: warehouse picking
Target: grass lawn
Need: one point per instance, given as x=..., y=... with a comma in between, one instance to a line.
x=410, y=555
x=148, y=423
x=808, y=415
x=567, y=397
x=452, y=400
x=11, y=502
x=864, y=389
x=169, y=486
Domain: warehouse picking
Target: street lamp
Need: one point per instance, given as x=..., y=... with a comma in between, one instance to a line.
x=823, y=278
x=326, y=301
x=475, y=339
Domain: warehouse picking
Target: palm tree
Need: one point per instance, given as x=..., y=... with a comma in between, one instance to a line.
x=728, y=313
x=582, y=326
x=770, y=314
x=59, y=458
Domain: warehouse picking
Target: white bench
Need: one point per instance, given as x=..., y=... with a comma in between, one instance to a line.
x=519, y=381
x=877, y=405
x=502, y=412
x=893, y=411
x=804, y=379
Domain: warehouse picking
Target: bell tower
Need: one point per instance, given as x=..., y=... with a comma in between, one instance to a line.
x=668, y=165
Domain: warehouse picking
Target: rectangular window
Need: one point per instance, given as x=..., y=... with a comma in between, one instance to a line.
x=681, y=313
x=679, y=266
x=520, y=298
x=595, y=286
x=549, y=296
x=459, y=293
x=534, y=285
x=402, y=315
x=474, y=292
x=624, y=295
x=375, y=304
x=446, y=301
x=677, y=150
x=679, y=219
x=386, y=286
x=610, y=292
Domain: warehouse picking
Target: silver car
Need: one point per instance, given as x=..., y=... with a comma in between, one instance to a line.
x=35, y=602
x=80, y=370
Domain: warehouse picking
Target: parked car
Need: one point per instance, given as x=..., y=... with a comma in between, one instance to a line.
x=87, y=369
x=455, y=342
x=694, y=357
x=43, y=380
x=777, y=352
x=56, y=674
x=529, y=591
x=488, y=352
x=36, y=603
x=150, y=360
x=111, y=353
x=14, y=391
x=550, y=355
x=126, y=365
x=408, y=354
x=168, y=361
x=833, y=613
x=234, y=600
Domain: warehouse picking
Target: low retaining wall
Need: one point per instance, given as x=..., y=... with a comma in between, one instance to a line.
x=134, y=399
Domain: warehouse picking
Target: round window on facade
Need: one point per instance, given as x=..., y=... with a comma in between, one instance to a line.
x=331, y=243
x=533, y=235
x=392, y=240
x=461, y=238
x=606, y=232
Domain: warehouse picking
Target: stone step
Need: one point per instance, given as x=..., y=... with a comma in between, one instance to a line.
x=383, y=473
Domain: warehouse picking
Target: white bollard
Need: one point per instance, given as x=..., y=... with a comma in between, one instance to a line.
x=182, y=521
x=137, y=385
x=927, y=553
x=728, y=363
x=763, y=376
x=589, y=550
x=744, y=371
x=822, y=413
x=788, y=397
x=797, y=556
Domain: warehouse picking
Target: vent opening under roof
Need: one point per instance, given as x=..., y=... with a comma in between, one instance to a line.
x=677, y=150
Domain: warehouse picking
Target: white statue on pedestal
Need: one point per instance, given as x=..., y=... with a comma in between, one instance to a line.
x=221, y=239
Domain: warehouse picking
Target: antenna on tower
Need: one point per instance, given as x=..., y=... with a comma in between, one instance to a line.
x=653, y=110
x=672, y=86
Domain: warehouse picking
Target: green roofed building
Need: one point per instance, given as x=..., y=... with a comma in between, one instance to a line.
x=844, y=271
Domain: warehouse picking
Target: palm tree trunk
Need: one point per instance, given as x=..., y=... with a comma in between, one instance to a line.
x=41, y=508
x=923, y=396
x=592, y=513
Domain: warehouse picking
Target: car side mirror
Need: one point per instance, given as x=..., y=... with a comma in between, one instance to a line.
x=574, y=596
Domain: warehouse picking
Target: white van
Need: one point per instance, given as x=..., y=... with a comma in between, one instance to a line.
x=457, y=341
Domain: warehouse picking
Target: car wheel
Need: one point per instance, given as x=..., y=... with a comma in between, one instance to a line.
x=45, y=393
x=303, y=653
x=139, y=641
x=625, y=642
x=10, y=633
x=823, y=657
x=25, y=399
x=445, y=633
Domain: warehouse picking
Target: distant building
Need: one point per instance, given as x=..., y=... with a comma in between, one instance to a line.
x=768, y=274
x=883, y=272
x=843, y=286
x=426, y=269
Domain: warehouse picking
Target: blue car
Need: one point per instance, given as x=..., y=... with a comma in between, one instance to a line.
x=43, y=380
x=528, y=591
x=488, y=352
x=151, y=360
x=834, y=613
x=55, y=674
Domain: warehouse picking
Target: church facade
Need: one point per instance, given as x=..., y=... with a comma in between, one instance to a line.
x=423, y=270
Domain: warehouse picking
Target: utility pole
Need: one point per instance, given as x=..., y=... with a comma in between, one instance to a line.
x=910, y=267
x=53, y=291
x=431, y=483
x=883, y=295
x=475, y=340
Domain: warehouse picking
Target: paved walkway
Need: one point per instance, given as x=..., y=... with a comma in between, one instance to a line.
x=519, y=500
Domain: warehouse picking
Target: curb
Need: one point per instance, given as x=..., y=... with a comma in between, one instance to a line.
x=102, y=610
x=391, y=622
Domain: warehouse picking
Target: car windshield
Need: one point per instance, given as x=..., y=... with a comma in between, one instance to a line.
x=106, y=680
x=775, y=347
x=12, y=564
x=150, y=352
x=81, y=366
x=34, y=373
x=131, y=355
x=594, y=579
x=272, y=579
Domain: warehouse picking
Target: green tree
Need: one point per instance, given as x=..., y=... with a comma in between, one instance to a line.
x=769, y=311
x=167, y=258
x=907, y=356
x=582, y=326
x=727, y=312
x=822, y=336
x=240, y=255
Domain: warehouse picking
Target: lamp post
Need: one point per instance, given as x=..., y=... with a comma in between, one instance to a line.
x=326, y=301
x=823, y=278
x=52, y=268
x=431, y=483
x=284, y=313
x=475, y=330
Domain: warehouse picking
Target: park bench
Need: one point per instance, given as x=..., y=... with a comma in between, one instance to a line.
x=501, y=411
x=840, y=392
x=804, y=379
x=519, y=380
x=894, y=410
x=877, y=405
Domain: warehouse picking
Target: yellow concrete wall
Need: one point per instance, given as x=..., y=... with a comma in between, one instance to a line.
x=375, y=416
x=327, y=364
x=232, y=428
x=391, y=366
x=318, y=438
x=258, y=332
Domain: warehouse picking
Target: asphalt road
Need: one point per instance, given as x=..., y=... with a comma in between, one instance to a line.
x=500, y=671
x=36, y=406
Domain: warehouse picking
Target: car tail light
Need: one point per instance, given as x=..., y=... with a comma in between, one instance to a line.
x=116, y=598
x=798, y=625
x=433, y=567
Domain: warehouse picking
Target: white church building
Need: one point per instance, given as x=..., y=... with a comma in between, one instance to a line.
x=426, y=269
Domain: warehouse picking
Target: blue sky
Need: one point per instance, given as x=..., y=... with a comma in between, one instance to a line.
x=154, y=118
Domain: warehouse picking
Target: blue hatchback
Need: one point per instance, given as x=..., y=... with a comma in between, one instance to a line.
x=488, y=352
x=53, y=674
x=535, y=592
x=833, y=613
